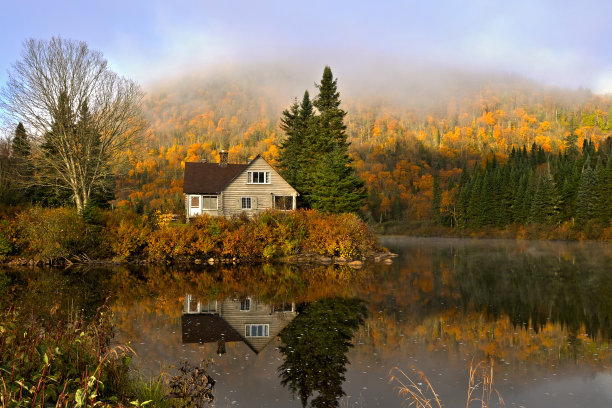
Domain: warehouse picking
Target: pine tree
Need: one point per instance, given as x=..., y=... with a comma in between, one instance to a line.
x=606, y=193
x=585, y=199
x=20, y=147
x=545, y=206
x=335, y=187
x=330, y=130
x=474, y=207
x=327, y=155
x=21, y=167
x=297, y=123
x=436, y=199
x=518, y=215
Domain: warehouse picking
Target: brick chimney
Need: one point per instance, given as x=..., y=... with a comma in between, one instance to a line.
x=223, y=158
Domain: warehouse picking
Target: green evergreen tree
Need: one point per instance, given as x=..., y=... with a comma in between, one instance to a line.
x=585, y=199
x=296, y=122
x=601, y=192
x=545, y=207
x=474, y=207
x=465, y=192
x=527, y=198
x=20, y=168
x=335, y=187
x=518, y=215
x=330, y=130
x=606, y=192
x=20, y=147
x=328, y=157
x=436, y=199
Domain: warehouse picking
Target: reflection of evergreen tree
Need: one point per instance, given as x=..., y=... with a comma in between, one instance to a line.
x=315, y=345
x=539, y=289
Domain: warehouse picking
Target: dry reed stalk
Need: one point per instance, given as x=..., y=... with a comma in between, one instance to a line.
x=421, y=393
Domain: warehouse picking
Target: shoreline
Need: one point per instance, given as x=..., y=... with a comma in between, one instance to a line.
x=532, y=232
x=303, y=259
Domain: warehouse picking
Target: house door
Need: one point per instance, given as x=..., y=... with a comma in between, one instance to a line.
x=195, y=207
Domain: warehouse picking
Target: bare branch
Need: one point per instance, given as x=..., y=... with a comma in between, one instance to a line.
x=79, y=113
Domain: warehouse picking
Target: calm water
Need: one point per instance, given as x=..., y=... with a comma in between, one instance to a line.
x=541, y=311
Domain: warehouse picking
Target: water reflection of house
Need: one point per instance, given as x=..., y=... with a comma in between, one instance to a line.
x=248, y=320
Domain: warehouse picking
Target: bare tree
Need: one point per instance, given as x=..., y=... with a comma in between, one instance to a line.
x=79, y=114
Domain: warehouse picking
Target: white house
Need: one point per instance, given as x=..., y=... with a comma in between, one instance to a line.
x=224, y=189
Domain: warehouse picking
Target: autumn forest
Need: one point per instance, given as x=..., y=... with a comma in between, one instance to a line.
x=422, y=165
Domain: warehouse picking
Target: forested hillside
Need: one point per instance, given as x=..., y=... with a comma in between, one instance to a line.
x=409, y=149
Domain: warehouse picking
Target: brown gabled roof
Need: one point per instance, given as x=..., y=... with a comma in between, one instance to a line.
x=207, y=328
x=209, y=178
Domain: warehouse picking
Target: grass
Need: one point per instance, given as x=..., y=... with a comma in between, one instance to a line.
x=420, y=393
x=153, y=391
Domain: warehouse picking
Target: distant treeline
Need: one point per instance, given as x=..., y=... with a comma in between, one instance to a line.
x=534, y=187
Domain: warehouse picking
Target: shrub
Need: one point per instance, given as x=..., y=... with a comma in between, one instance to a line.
x=52, y=233
x=8, y=238
x=125, y=233
x=342, y=235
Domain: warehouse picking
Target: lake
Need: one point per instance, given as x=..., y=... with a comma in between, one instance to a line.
x=541, y=312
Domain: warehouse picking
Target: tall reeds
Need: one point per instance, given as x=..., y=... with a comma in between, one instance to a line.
x=420, y=393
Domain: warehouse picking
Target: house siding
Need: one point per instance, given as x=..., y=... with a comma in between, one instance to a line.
x=259, y=314
x=261, y=194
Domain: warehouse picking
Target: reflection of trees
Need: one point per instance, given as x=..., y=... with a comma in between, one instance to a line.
x=536, y=290
x=49, y=291
x=519, y=301
x=162, y=288
x=315, y=345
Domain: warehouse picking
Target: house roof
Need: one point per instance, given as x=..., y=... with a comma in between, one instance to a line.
x=210, y=328
x=209, y=178
x=207, y=328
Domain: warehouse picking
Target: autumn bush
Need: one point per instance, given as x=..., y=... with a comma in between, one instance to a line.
x=268, y=235
x=125, y=233
x=51, y=234
x=54, y=233
x=342, y=235
x=8, y=238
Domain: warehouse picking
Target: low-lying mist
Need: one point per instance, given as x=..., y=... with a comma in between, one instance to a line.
x=394, y=86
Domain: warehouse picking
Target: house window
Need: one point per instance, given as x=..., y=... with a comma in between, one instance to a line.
x=245, y=305
x=245, y=203
x=194, y=202
x=209, y=202
x=258, y=177
x=191, y=304
x=257, y=330
x=283, y=203
x=283, y=307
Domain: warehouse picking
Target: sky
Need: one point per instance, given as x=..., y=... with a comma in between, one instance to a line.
x=554, y=42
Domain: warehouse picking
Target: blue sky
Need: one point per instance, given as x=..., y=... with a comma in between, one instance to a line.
x=563, y=43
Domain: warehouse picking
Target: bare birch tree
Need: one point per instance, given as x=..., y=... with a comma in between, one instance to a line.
x=79, y=114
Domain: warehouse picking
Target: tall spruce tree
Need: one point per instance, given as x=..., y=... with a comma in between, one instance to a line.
x=436, y=199
x=315, y=153
x=21, y=169
x=586, y=197
x=545, y=206
x=296, y=122
x=20, y=147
